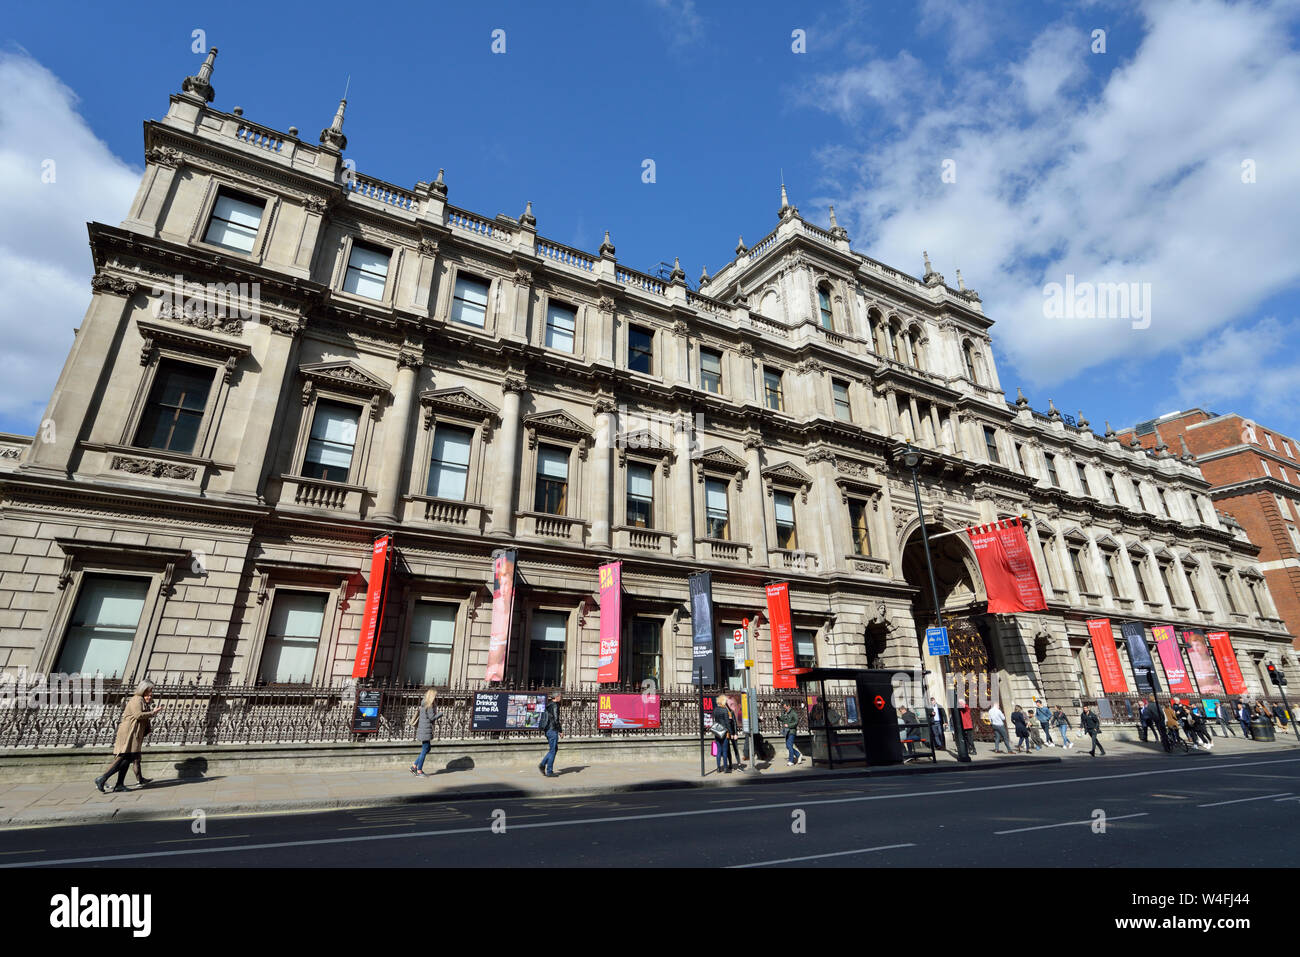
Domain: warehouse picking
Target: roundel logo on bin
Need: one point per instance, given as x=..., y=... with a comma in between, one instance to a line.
x=880, y=703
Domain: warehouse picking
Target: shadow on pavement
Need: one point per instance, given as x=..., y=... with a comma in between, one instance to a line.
x=457, y=764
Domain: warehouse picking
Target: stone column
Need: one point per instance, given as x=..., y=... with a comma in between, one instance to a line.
x=282, y=339
x=602, y=469
x=506, y=460
x=683, y=486
x=918, y=433
x=1072, y=587
x=395, y=435
x=833, y=530
x=891, y=414
x=76, y=393
x=756, y=519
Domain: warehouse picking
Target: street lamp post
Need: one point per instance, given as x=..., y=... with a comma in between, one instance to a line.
x=911, y=459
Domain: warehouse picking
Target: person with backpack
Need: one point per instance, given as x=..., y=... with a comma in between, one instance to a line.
x=1022, y=728
x=790, y=722
x=424, y=718
x=1062, y=724
x=723, y=728
x=1092, y=727
x=550, y=726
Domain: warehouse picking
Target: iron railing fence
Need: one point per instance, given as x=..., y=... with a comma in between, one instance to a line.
x=206, y=714
x=1123, y=708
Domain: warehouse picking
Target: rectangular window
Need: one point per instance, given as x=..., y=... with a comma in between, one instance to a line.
x=1165, y=580
x=1052, y=475
x=1108, y=561
x=1282, y=469
x=174, y=412
x=805, y=648
x=1226, y=584
x=772, y=390
x=433, y=631
x=1269, y=439
x=367, y=271
x=711, y=371
x=1141, y=584
x=1286, y=447
x=1110, y=486
x=1196, y=590
x=1076, y=565
x=640, y=495
x=1266, y=469
x=991, y=444
x=333, y=439
x=858, y=522
x=1021, y=458
x=292, y=638
x=449, y=467
x=102, y=628
x=640, y=350
x=715, y=508
x=469, y=301
x=783, y=503
x=1254, y=596
x=646, y=661
x=546, y=649
x=561, y=321
x=552, y=480
x=235, y=220
x=824, y=307
x=840, y=392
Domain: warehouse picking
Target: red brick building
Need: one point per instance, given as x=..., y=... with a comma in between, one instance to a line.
x=1254, y=473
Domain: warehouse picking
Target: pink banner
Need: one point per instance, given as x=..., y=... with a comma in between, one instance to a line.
x=1233, y=680
x=1207, y=679
x=627, y=711
x=1010, y=580
x=1103, y=646
x=503, y=609
x=1172, y=658
x=611, y=621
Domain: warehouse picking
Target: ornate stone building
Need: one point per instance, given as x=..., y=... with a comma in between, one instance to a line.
x=283, y=359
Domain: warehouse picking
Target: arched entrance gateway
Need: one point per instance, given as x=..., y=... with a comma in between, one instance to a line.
x=974, y=660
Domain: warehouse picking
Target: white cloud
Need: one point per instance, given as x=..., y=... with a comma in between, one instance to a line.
x=1256, y=361
x=1136, y=180
x=45, y=264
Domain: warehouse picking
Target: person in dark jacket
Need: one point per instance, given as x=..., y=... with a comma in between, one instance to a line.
x=1092, y=727
x=550, y=725
x=1156, y=722
x=1144, y=721
x=938, y=720
x=967, y=725
x=424, y=718
x=1022, y=728
x=724, y=729
x=790, y=722
x=1243, y=716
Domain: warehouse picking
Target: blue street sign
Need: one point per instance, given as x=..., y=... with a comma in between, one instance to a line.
x=937, y=639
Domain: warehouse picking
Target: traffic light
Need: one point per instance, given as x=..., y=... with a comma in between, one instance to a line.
x=1275, y=676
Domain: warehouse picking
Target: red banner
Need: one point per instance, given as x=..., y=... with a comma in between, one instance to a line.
x=1207, y=679
x=1233, y=680
x=503, y=608
x=372, y=620
x=611, y=620
x=627, y=711
x=1172, y=658
x=1010, y=580
x=778, y=622
x=1103, y=646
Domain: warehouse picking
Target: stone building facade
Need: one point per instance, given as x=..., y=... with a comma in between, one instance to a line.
x=1254, y=476
x=283, y=359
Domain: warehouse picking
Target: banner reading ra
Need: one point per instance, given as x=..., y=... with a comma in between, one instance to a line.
x=611, y=620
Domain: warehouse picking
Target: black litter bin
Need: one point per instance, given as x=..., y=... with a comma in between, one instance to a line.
x=1262, y=729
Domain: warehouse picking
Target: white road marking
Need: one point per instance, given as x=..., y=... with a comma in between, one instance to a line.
x=1262, y=797
x=640, y=817
x=814, y=857
x=1044, y=827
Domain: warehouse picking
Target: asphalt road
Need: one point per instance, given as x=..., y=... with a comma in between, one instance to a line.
x=1190, y=811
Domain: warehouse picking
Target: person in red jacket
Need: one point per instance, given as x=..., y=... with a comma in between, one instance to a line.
x=967, y=725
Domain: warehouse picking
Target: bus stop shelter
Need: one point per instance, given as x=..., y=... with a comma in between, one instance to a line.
x=851, y=727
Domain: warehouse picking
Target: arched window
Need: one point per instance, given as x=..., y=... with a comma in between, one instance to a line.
x=824, y=305
x=914, y=341
x=873, y=322
x=968, y=356
x=896, y=348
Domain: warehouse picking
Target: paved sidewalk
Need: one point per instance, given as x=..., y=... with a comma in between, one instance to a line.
x=44, y=804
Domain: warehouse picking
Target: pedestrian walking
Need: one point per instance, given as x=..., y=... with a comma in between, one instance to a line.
x=999, y=722
x=1092, y=728
x=1243, y=717
x=1035, y=735
x=1022, y=728
x=1223, y=711
x=790, y=722
x=1061, y=722
x=424, y=718
x=1199, y=728
x=1171, y=730
x=1156, y=722
x=550, y=726
x=732, y=741
x=1044, y=715
x=938, y=720
x=967, y=725
x=723, y=726
x=1144, y=721
x=131, y=731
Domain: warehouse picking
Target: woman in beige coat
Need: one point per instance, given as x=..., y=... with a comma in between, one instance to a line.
x=130, y=735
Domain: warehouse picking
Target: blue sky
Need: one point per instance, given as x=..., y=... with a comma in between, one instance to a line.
x=1118, y=166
